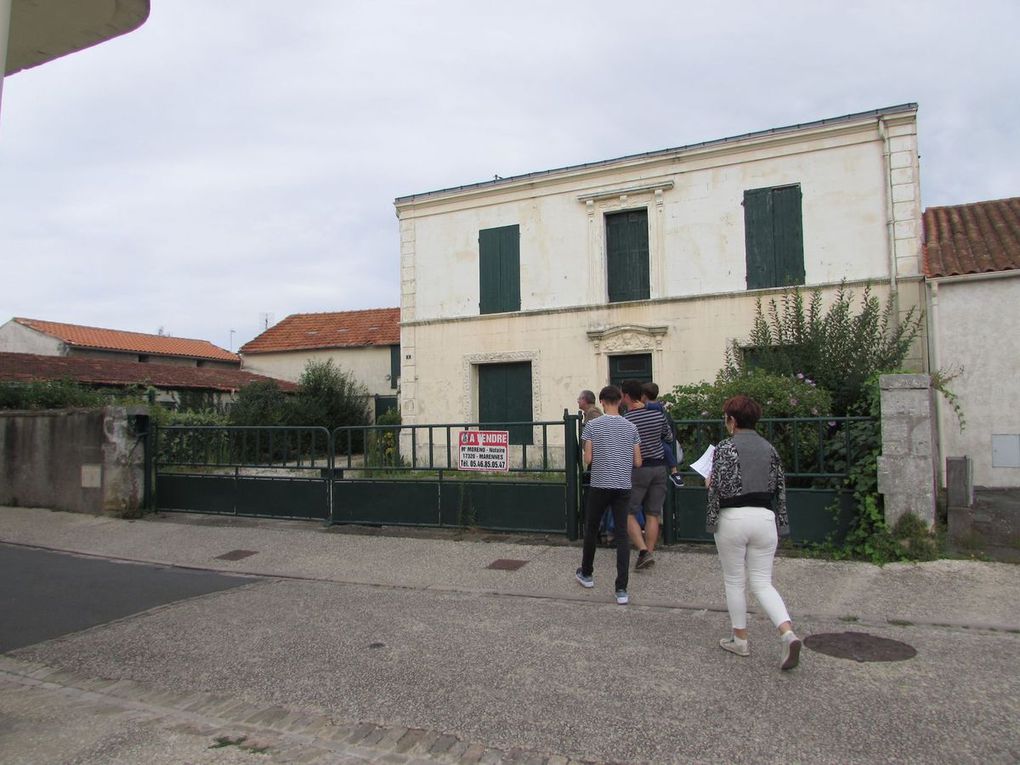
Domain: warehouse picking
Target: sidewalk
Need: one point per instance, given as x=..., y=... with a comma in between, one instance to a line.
x=379, y=639
x=945, y=592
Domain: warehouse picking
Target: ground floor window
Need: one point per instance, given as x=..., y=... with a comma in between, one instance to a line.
x=635, y=366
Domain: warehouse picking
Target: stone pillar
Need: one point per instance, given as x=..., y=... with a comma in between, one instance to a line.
x=907, y=466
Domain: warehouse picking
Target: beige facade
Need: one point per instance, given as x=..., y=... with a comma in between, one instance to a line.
x=973, y=333
x=369, y=365
x=860, y=210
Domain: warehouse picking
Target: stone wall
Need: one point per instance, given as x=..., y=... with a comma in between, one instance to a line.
x=87, y=461
x=906, y=468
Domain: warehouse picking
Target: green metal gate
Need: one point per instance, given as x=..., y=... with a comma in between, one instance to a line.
x=275, y=472
x=377, y=475
x=817, y=454
x=408, y=475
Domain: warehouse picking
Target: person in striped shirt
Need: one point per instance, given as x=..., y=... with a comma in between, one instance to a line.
x=611, y=448
x=649, y=476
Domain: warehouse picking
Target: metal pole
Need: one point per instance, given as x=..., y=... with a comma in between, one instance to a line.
x=572, y=467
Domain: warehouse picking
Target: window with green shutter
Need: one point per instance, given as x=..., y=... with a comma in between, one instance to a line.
x=499, y=269
x=504, y=396
x=774, y=237
x=394, y=365
x=627, y=255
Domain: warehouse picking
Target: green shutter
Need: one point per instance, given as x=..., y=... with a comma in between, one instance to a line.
x=499, y=269
x=504, y=395
x=394, y=365
x=627, y=255
x=773, y=237
x=788, y=236
x=758, y=239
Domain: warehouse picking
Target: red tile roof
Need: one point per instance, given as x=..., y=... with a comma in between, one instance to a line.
x=129, y=342
x=975, y=238
x=29, y=367
x=346, y=329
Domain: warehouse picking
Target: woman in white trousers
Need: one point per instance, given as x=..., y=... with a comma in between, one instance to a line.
x=747, y=514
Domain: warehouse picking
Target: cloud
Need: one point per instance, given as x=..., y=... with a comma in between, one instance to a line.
x=241, y=157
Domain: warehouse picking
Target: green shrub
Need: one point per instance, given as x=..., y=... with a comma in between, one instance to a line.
x=798, y=444
x=329, y=397
x=52, y=394
x=839, y=350
x=259, y=403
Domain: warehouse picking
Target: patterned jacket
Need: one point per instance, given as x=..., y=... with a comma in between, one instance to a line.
x=727, y=489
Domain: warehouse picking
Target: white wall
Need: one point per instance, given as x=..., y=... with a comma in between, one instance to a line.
x=370, y=366
x=976, y=329
x=696, y=226
x=17, y=338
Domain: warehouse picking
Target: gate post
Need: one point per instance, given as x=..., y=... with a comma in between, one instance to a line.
x=907, y=465
x=571, y=466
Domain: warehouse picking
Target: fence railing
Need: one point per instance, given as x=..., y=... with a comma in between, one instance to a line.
x=215, y=447
x=816, y=452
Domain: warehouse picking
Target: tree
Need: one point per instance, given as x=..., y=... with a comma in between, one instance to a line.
x=259, y=403
x=839, y=350
x=329, y=397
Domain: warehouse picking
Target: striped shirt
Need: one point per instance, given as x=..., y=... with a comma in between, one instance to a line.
x=652, y=427
x=612, y=447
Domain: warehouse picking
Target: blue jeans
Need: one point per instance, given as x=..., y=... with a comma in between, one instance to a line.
x=598, y=501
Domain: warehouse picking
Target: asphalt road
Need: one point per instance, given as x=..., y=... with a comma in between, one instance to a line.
x=45, y=594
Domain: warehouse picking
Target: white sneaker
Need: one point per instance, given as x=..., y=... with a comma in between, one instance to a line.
x=733, y=644
x=791, y=651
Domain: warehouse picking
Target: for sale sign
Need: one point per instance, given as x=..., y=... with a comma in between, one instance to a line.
x=485, y=450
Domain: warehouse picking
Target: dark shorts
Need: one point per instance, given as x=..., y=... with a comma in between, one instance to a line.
x=649, y=490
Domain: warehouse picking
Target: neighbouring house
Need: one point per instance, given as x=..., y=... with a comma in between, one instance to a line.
x=972, y=267
x=518, y=292
x=51, y=338
x=365, y=344
x=173, y=384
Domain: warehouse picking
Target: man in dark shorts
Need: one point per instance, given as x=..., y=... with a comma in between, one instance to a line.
x=649, y=476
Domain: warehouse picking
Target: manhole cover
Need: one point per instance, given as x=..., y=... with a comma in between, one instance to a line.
x=859, y=646
x=376, y=645
x=506, y=564
x=236, y=554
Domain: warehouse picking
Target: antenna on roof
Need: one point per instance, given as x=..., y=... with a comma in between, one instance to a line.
x=266, y=320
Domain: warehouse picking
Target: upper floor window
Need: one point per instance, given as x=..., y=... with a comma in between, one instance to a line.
x=499, y=269
x=774, y=237
x=627, y=255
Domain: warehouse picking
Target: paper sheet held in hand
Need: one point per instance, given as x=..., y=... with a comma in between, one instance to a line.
x=703, y=465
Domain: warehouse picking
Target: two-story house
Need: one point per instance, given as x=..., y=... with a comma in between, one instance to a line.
x=518, y=292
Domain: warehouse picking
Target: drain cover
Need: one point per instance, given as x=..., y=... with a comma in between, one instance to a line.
x=860, y=646
x=506, y=564
x=236, y=554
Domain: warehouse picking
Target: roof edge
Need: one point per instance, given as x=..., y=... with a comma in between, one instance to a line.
x=847, y=118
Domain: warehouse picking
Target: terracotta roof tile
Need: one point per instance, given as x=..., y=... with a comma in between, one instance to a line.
x=345, y=329
x=28, y=367
x=129, y=342
x=976, y=238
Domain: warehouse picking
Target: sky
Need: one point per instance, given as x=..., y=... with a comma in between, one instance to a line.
x=233, y=162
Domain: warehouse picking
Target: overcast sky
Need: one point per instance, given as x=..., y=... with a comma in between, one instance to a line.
x=234, y=158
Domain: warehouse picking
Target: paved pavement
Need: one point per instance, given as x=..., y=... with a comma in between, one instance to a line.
x=347, y=647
